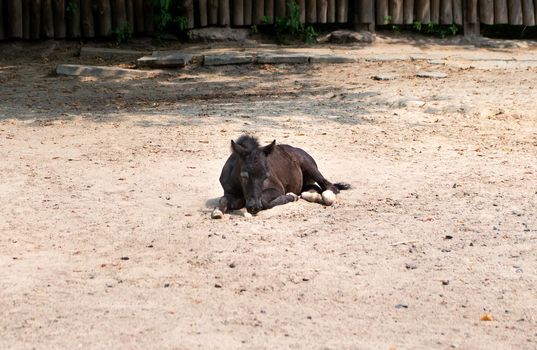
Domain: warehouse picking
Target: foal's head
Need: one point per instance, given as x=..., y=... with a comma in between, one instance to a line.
x=253, y=171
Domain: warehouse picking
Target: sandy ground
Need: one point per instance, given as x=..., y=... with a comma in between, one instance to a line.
x=106, y=187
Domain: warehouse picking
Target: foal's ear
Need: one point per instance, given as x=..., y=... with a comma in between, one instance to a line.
x=269, y=148
x=238, y=149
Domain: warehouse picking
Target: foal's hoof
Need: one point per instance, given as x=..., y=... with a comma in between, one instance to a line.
x=295, y=197
x=217, y=214
x=329, y=197
x=312, y=196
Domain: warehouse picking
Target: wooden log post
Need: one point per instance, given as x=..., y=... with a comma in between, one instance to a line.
x=331, y=13
x=202, y=9
x=364, y=18
x=35, y=20
x=435, y=11
x=500, y=12
x=446, y=11
x=280, y=8
x=188, y=8
x=528, y=17
x=223, y=13
x=15, y=22
x=86, y=17
x=457, y=12
x=311, y=11
x=269, y=11
x=486, y=11
x=342, y=11
x=2, y=31
x=423, y=11
x=129, y=6
x=104, y=18
x=60, y=29
x=322, y=11
x=382, y=12
x=248, y=8
x=26, y=9
x=408, y=11
x=471, y=22
x=73, y=19
x=515, y=12
x=258, y=11
x=47, y=20
x=396, y=11
x=212, y=12
x=302, y=5
x=119, y=14
x=237, y=19
x=149, y=23
x=139, y=16
x=535, y=10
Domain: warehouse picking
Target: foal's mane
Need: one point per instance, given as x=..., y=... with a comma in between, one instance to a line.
x=248, y=142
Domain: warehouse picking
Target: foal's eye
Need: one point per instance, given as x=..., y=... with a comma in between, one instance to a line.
x=244, y=174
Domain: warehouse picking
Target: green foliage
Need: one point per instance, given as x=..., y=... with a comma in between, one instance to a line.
x=429, y=28
x=71, y=8
x=290, y=27
x=123, y=33
x=165, y=19
x=254, y=29
x=453, y=29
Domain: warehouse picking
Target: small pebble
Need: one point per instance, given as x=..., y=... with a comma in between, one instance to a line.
x=217, y=285
x=384, y=77
x=411, y=266
x=434, y=75
x=124, y=258
x=166, y=285
x=445, y=282
x=401, y=306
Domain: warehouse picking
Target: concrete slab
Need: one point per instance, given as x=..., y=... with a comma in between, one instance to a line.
x=226, y=59
x=278, y=58
x=106, y=72
x=92, y=52
x=172, y=60
x=332, y=59
x=387, y=58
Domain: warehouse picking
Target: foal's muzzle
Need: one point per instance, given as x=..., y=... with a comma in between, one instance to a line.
x=253, y=208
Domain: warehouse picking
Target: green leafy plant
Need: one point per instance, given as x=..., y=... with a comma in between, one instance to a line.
x=123, y=33
x=290, y=26
x=310, y=34
x=71, y=8
x=254, y=29
x=165, y=19
x=435, y=29
x=387, y=19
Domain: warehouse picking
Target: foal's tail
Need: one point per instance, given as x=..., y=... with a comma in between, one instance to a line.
x=339, y=186
x=342, y=186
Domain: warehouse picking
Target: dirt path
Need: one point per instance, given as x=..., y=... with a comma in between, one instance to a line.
x=106, y=188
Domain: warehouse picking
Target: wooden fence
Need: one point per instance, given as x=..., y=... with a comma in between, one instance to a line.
x=46, y=19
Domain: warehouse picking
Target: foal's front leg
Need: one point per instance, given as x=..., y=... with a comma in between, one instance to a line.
x=272, y=197
x=227, y=202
